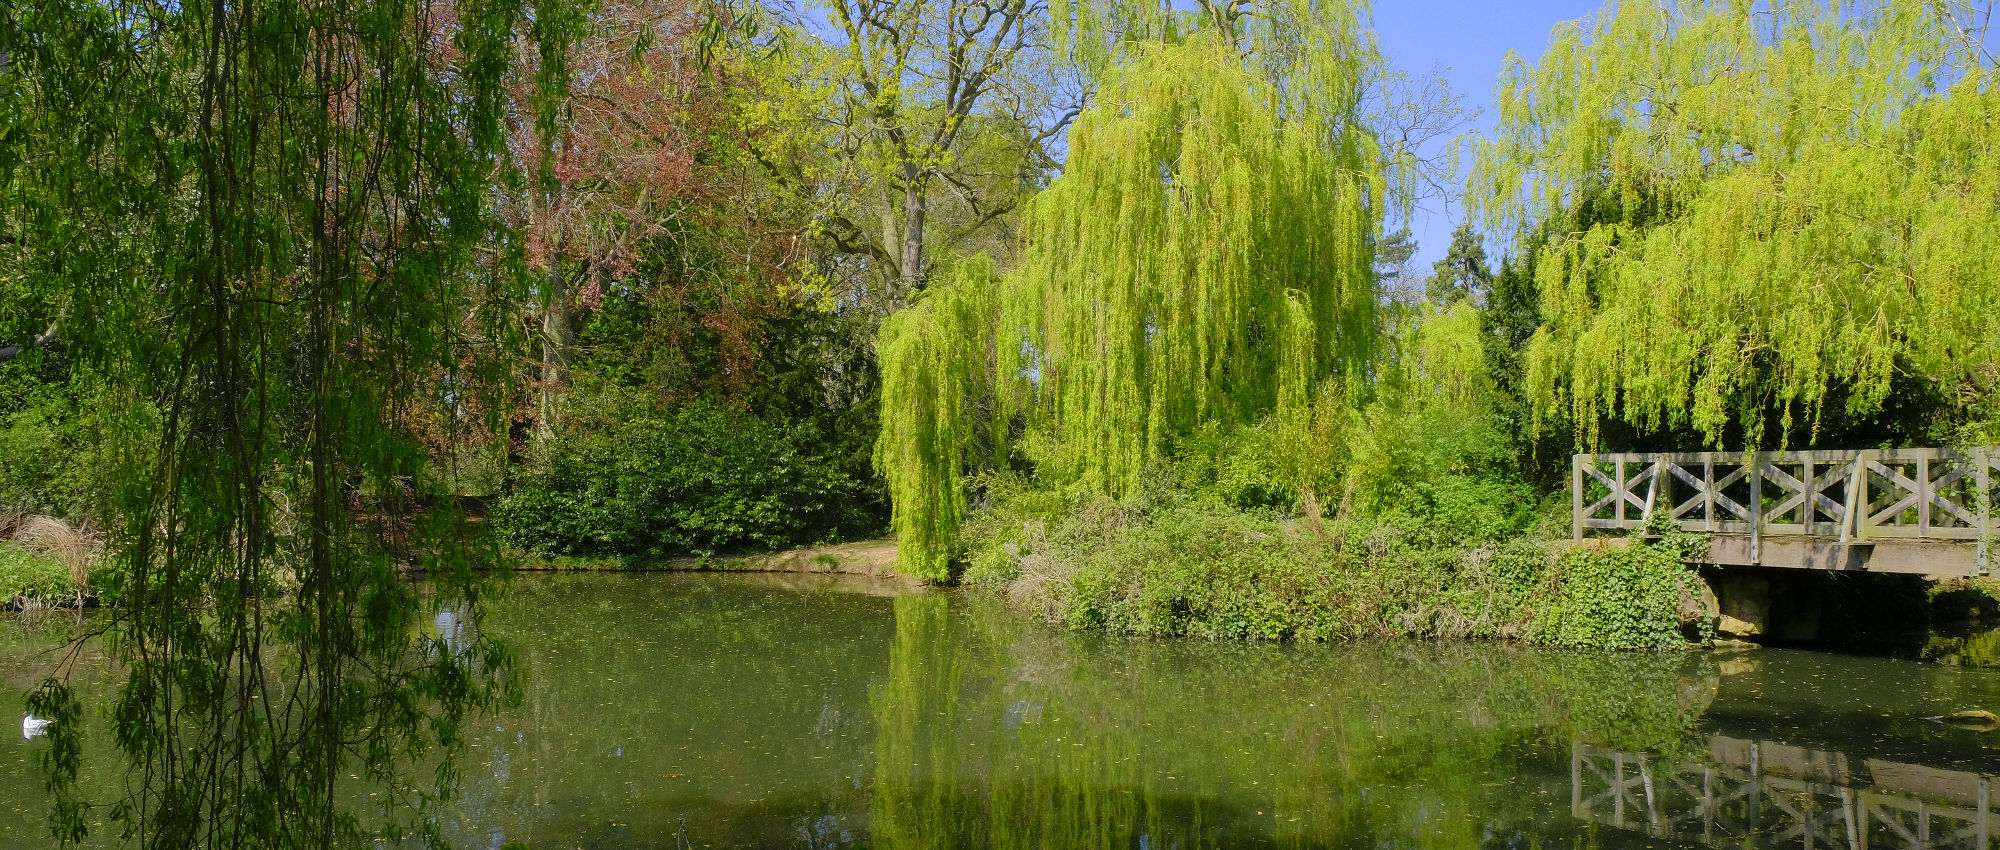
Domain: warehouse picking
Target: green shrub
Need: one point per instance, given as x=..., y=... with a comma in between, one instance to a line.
x=699, y=478
x=23, y=574
x=1167, y=563
x=47, y=438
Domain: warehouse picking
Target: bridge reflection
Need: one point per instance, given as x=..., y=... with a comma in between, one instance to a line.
x=1768, y=795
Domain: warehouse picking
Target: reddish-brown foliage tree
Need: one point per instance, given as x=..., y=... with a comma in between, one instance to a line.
x=640, y=159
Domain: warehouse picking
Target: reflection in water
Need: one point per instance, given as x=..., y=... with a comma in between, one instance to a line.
x=741, y=711
x=917, y=800
x=992, y=732
x=1765, y=794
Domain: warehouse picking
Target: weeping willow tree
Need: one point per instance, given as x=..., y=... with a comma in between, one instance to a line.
x=1203, y=260
x=1753, y=209
x=268, y=225
x=937, y=365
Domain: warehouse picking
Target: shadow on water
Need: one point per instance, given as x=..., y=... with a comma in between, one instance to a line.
x=744, y=711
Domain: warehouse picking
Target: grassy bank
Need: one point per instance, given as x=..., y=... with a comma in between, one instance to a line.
x=45, y=563
x=23, y=574
x=29, y=580
x=1169, y=564
x=864, y=557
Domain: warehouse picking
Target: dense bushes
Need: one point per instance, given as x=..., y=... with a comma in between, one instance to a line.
x=1168, y=565
x=27, y=576
x=1632, y=596
x=704, y=414
x=48, y=443
x=700, y=477
x=1406, y=513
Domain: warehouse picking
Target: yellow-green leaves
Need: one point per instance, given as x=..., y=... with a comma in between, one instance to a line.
x=1201, y=259
x=934, y=358
x=1752, y=213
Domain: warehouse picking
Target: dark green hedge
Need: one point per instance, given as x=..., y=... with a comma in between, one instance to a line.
x=699, y=478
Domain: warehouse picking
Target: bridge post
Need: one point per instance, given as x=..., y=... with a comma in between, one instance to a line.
x=1923, y=495
x=1707, y=803
x=1618, y=470
x=1576, y=497
x=1756, y=776
x=1983, y=479
x=1652, y=493
x=1850, y=806
x=1811, y=506
x=1756, y=507
x=1576, y=809
x=1708, y=490
x=1984, y=804
x=1857, y=482
x=1618, y=788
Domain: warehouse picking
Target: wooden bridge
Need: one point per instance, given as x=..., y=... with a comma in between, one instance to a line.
x=1765, y=795
x=1926, y=511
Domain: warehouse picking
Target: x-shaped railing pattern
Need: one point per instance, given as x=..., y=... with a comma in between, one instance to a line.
x=1923, y=494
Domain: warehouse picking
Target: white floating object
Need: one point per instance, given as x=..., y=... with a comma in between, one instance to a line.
x=32, y=726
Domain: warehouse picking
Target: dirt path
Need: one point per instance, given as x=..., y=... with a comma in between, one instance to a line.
x=872, y=558
x=867, y=557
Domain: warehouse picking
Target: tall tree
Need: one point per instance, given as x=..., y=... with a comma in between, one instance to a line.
x=1507, y=323
x=1462, y=274
x=1393, y=267
x=265, y=221
x=1205, y=258
x=908, y=127
x=1752, y=211
x=636, y=148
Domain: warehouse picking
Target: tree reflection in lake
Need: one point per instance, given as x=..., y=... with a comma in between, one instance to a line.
x=744, y=711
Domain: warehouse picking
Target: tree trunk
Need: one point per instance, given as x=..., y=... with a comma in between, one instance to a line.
x=912, y=249
x=558, y=335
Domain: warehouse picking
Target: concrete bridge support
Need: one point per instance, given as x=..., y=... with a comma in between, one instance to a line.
x=1771, y=605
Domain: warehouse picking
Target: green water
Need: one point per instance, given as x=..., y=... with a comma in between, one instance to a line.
x=746, y=711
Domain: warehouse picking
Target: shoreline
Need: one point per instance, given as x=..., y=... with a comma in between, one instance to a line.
x=872, y=558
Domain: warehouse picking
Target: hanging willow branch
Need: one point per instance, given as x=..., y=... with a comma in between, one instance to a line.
x=270, y=223
x=1203, y=260
x=935, y=360
x=1750, y=213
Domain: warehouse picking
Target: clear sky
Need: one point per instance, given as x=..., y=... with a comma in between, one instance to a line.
x=1469, y=38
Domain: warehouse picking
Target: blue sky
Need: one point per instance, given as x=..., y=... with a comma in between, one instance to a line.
x=1469, y=38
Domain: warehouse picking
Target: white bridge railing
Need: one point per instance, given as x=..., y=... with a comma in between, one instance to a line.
x=1938, y=495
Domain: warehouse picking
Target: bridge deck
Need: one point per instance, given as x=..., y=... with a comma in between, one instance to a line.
x=1902, y=510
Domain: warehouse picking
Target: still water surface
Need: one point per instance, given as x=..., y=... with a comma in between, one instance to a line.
x=666, y=711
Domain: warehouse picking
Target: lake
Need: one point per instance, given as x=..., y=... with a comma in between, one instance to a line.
x=701, y=710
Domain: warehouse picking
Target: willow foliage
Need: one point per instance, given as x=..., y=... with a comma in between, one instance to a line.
x=1203, y=261
x=266, y=223
x=1753, y=210
x=936, y=362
